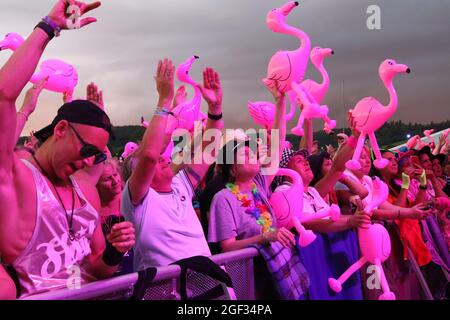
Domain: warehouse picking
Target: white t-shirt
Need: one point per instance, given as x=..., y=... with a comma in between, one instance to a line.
x=312, y=200
x=167, y=227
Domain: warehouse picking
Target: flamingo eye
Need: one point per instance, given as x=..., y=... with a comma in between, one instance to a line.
x=187, y=72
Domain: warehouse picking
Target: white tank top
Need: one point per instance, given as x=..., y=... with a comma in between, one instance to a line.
x=51, y=260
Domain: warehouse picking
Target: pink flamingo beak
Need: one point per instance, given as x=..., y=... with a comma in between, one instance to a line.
x=184, y=68
x=328, y=52
x=402, y=68
x=288, y=7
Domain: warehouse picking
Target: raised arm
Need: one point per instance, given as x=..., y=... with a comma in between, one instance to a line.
x=28, y=106
x=152, y=143
x=17, y=72
x=327, y=183
x=307, y=139
x=213, y=95
x=279, y=123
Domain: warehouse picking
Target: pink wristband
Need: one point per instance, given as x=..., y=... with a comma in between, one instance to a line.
x=352, y=142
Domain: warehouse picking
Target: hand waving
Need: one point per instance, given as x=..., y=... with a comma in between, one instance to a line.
x=67, y=14
x=165, y=82
x=212, y=89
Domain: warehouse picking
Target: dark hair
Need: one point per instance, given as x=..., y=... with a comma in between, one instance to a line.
x=316, y=162
x=394, y=188
x=224, y=165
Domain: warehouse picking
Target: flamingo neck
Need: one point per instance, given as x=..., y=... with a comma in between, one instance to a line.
x=197, y=99
x=325, y=77
x=393, y=100
x=305, y=41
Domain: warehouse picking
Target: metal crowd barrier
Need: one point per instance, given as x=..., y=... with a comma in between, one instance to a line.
x=165, y=286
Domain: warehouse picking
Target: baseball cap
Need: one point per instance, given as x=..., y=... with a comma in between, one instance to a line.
x=81, y=112
x=288, y=154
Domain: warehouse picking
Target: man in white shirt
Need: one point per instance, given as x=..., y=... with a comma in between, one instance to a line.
x=158, y=203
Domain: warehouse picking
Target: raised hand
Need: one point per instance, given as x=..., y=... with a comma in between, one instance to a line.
x=67, y=96
x=94, y=95
x=67, y=14
x=31, y=97
x=180, y=96
x=275, y=91
x=165, y=82
x=212, y=89
x=352, y=125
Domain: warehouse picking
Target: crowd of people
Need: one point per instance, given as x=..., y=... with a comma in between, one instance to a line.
x=67, y=204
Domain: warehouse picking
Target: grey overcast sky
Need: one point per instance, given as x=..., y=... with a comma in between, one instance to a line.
x=121, y=50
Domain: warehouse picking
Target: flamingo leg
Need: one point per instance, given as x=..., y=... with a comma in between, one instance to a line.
x=353, y=268
x=379, y=163
x=387, y=293
x=354, y=163
x=336, y=285
x=306, y=236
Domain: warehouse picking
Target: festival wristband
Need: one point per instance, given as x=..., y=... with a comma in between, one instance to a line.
x=352, y=142
x=215, y=117
x=423, y=179
x=111, y=256
x=49, y=27
x=163, y=112
x=405, y=181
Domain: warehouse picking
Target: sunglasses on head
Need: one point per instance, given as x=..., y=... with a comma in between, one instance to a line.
x=88, y=150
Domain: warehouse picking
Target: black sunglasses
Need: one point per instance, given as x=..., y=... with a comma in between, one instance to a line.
x=88, y=150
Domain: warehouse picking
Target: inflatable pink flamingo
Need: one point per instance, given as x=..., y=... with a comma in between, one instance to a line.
x=412, y=142
x=288, y=68
x=263, y=113
x=11, y=41
x=288, y=207
x=374, y=242
x=144, y=123
x=130, y=147
x=428, y=134
x=188, y=112
x=369, y=114
x=316, y=90
x=62, y=77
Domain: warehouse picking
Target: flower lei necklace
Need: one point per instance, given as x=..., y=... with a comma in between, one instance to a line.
x=258, y=210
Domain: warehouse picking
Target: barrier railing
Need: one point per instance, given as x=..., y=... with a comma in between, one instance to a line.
x=239, y=265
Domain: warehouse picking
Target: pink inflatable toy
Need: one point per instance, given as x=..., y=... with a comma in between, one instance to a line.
x=168, y=153
x=318, y=90
x=428, y=134
x=288, y=68
x=188, y=112
x=263, y=113
x=287, y=206
x=144, y=123
x=369, y=114
x=374, y=242
x=63, y=77
x=11, y=41
x=130, y=147
x=412, y=142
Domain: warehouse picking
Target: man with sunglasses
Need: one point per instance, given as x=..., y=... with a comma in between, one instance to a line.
x=50, y=235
